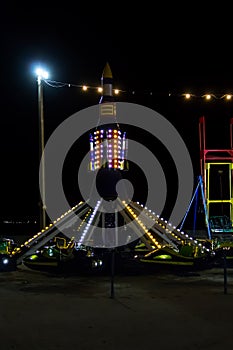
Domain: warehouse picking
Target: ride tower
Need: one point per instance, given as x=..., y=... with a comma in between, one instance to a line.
x=108, y=159
x=108, y=143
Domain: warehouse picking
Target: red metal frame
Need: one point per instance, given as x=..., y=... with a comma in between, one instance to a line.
x=213, y=154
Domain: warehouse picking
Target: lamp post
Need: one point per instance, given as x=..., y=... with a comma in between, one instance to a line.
x=41, y=75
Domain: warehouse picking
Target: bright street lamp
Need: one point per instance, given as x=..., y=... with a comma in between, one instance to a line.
x=41, y=75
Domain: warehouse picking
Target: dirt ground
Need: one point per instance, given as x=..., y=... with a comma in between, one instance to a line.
x=158, y=310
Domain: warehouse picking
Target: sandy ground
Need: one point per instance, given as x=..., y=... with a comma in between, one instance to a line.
x=159, y=310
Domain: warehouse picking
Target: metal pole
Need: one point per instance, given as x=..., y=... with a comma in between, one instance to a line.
x=225, y=270
x=41, y=155
x=113, y=256
x=205, y=208
x=112, y=273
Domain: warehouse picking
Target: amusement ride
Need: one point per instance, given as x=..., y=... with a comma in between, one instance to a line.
x=130, y=230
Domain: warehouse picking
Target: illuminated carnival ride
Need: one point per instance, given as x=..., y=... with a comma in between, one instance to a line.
x=136, y=233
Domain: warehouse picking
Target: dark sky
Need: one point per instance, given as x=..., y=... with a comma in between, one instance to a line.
x=150, y=47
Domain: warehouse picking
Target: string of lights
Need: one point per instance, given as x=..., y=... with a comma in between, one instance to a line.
x=98, y=89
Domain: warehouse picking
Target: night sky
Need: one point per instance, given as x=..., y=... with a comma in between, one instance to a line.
x=166, y=51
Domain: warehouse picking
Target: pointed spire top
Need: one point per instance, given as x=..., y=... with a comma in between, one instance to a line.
x=106, y=83
x=107, y=73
